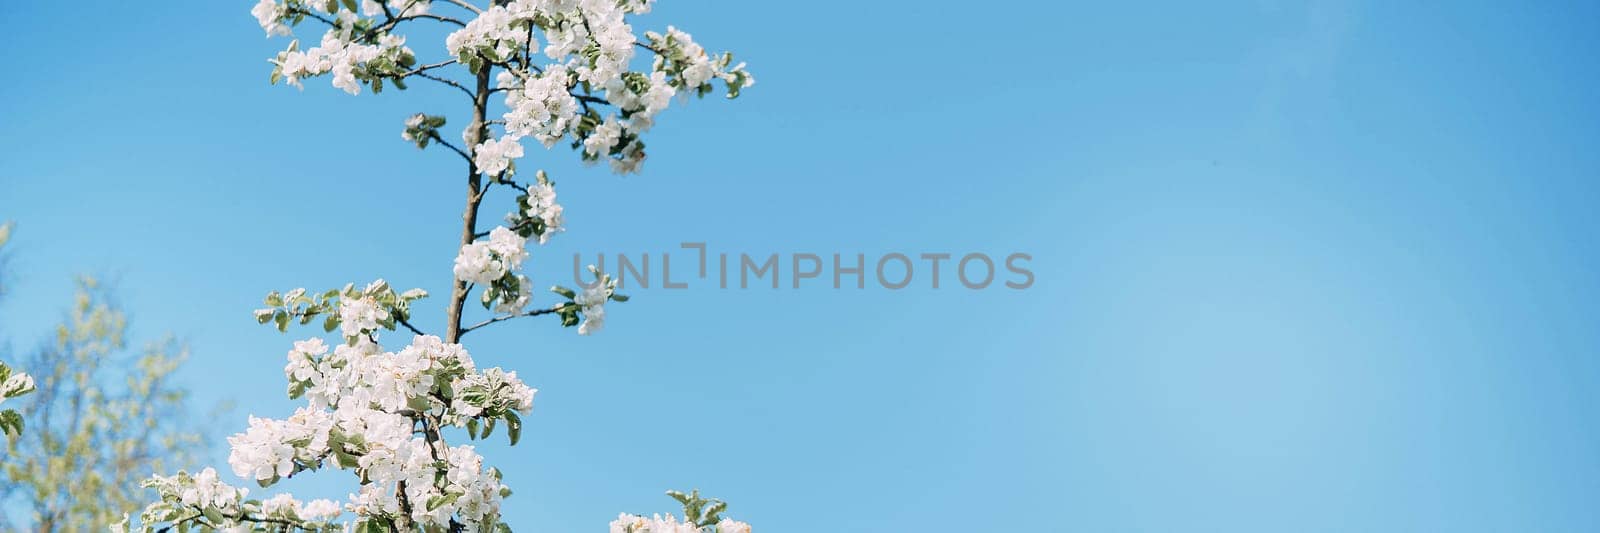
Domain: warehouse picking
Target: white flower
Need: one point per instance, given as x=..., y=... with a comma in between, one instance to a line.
x=510, y=246
x=260, y=452
x=358, y=315
x=269, y=448
x=605, y=137
x=542, y=205
x=732, y=526
x=593, y=299
x=281, y=505
x=644, y=106
x=476, y=263
x=494, y=155
x=626, y=523
x=491, y=32
x=539, y=106
x=320, y=510
x=631, y=159
x=269, y=15
x=16, y=385
x=375, y=499
x=302, y=359
x=205, y=490
x=484, y=262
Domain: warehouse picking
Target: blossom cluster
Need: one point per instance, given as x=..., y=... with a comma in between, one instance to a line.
x=700, y=515
x=486, y=261
x=540, y=210
x=363, y=404
x=186, y=497
x=354, y=49
x=355, y=312
x=590, y=45
x=592, y=303
x=627, y=523
x=364, y=407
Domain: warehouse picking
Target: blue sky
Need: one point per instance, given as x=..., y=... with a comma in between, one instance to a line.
x=1323, y=266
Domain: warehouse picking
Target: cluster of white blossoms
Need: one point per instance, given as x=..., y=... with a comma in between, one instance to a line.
x=541, y=205
x=627, y=523
x=487, y=261
x=183, y=494
x=495, y=155
x=490, y=34
x=541, y=105
x=361, y=314
x=590, y=44
x=592, y=300
x=351, y=49
x=345, y=59
x=363, y=411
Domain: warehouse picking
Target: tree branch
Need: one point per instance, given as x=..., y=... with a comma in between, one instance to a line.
x=408, y=325
x=440, y=18
x=469, y=218
x=503, y=318
x=429, y=66
x=440, y=140
x=445, y=81
x=468, y=7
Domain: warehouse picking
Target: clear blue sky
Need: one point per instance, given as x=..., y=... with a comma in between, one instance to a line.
x=1325, y=266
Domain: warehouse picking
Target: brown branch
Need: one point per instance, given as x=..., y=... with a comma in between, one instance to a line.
x=443, y=80
x=408, y=325
x=535, y=312
x=469, y=218
x=440, y=140
x=468, y=7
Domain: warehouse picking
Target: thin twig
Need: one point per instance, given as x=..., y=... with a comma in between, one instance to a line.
x=469, y=7
x=440, y=140
x=408, y=325
x=440, y=18
x=449, y=82
x=428, y=67
x=502, y=318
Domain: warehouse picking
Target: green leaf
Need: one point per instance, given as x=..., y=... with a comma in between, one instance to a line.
x=514, y=427
x=563, y=291
x=10, y=423
x=677, y=495
x=350, y=5
x=440, y=501
x=344, y=458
